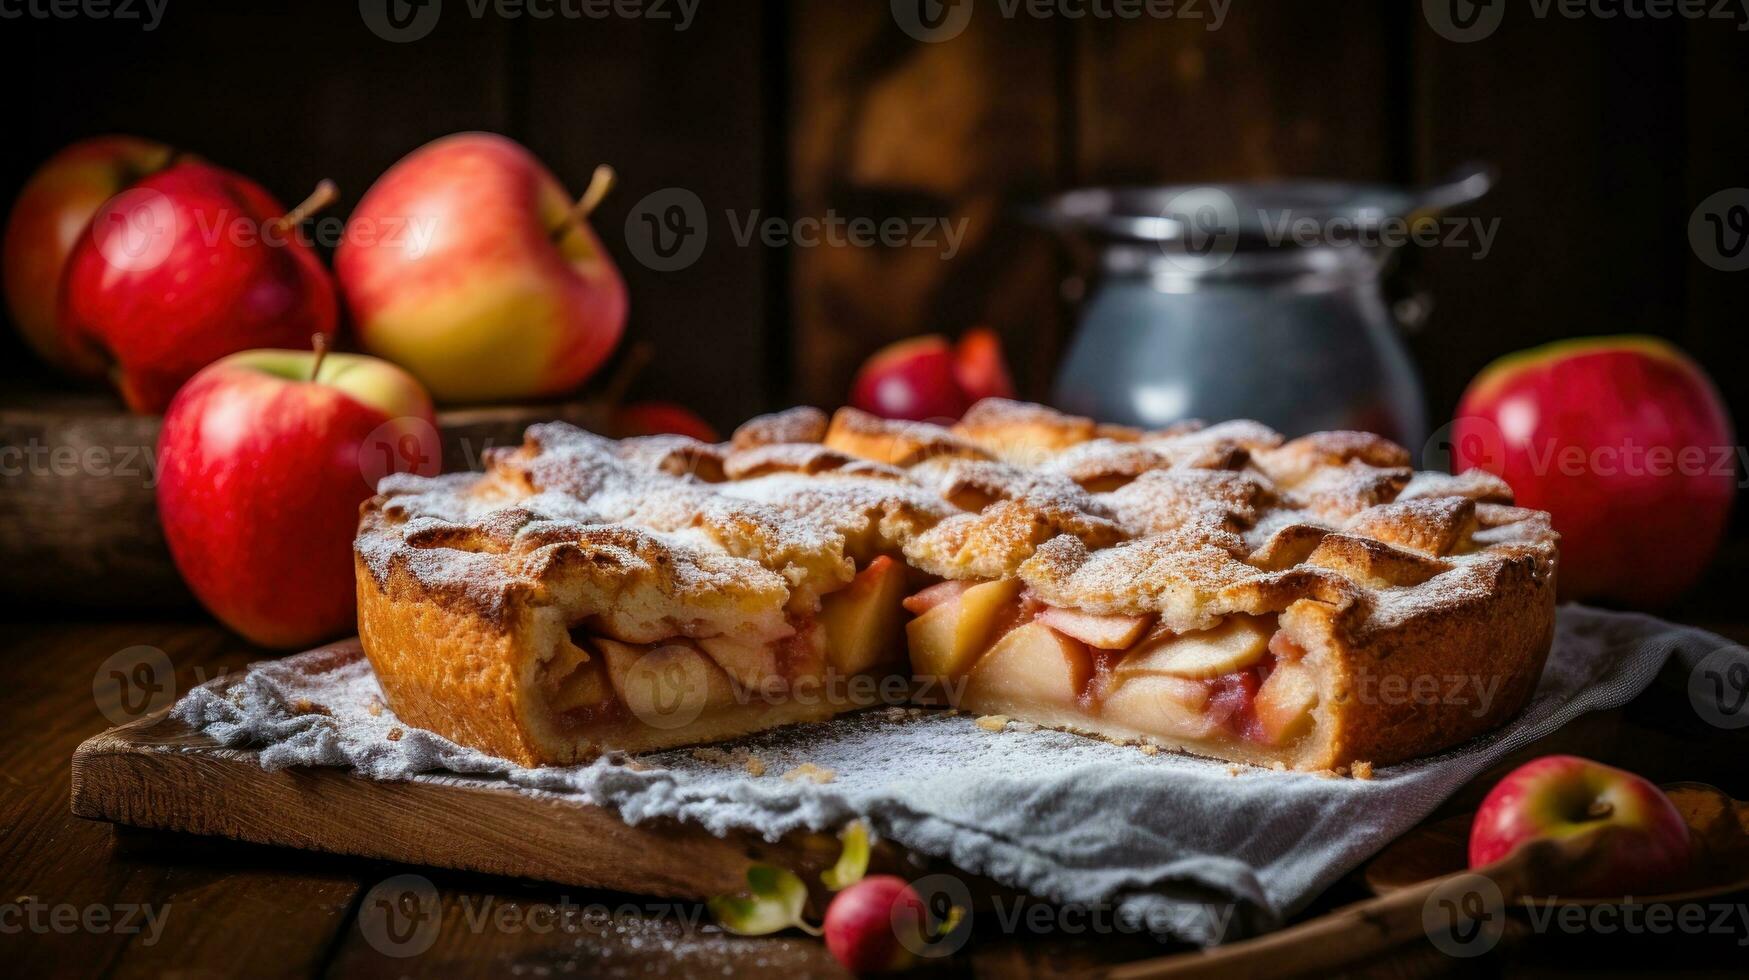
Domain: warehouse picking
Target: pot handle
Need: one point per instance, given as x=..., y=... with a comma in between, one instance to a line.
x=1467, y=182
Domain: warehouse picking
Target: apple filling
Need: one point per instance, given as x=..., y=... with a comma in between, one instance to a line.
x=993, y=648
x=596, y=682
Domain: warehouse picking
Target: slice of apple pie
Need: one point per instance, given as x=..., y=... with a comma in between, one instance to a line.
x=1312, y=603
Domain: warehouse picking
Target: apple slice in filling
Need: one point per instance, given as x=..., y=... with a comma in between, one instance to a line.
x=1160, y=704
x=1101, y=632
x=750, y=663
x=1283, y=705
x=666, y=685
x=1033, y=666
x=1239, y=642
x=949, y=636
x=574, y=680
x=864, y=620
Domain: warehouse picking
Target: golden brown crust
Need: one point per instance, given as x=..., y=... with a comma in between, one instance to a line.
x=1394, y=582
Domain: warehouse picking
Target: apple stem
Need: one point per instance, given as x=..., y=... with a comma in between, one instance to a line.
x=600, y=183
x=321, y=197
x=319, y=342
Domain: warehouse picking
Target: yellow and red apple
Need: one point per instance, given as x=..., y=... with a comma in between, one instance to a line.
x=1642, y=845
x=187, y=265
x=265, y=457
x=468, y=264
x=47, y=220
x=1625, y=441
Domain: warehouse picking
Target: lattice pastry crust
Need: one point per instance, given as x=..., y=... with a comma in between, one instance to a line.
x=1313, y=603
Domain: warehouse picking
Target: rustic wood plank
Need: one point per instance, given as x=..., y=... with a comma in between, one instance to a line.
x=887, y=126
x=1280, y=89
x=1578, y=116
x=669, y=108
x=223, y=908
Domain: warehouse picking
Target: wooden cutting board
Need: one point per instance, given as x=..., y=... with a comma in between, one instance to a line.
x=157, y=773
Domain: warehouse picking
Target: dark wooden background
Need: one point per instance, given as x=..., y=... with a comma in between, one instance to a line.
x=1607, y=133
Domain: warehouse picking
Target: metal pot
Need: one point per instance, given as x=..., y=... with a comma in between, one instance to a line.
x=1262, y=300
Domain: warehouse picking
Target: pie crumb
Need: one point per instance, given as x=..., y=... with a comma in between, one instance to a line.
x=1232, y=770
x=304, y=706
x=375, y=707
x=395, y=734
x=1278, y=766
x=809, y=771
x=1150, y=749
x=1362, y=770
x=992, y=723
x=755, y=765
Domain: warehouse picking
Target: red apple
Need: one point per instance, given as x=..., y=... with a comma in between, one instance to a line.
x=658, y=418
x=912, y=379
x=50, y=214
x=875, y=925
x=1625, y=442
x=263, y=464
x=979, y=367
x=186, y=266
x=468, y=264
x=1644, y=846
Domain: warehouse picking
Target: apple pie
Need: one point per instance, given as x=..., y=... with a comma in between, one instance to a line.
x=1218, y=590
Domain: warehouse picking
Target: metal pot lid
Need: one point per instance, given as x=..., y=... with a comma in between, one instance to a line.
x=1252, y=215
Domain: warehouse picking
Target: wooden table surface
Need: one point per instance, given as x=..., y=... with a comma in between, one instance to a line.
x=88, y=899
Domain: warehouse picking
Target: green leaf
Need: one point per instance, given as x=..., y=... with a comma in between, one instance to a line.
x=775, y=904
x=852, y=860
